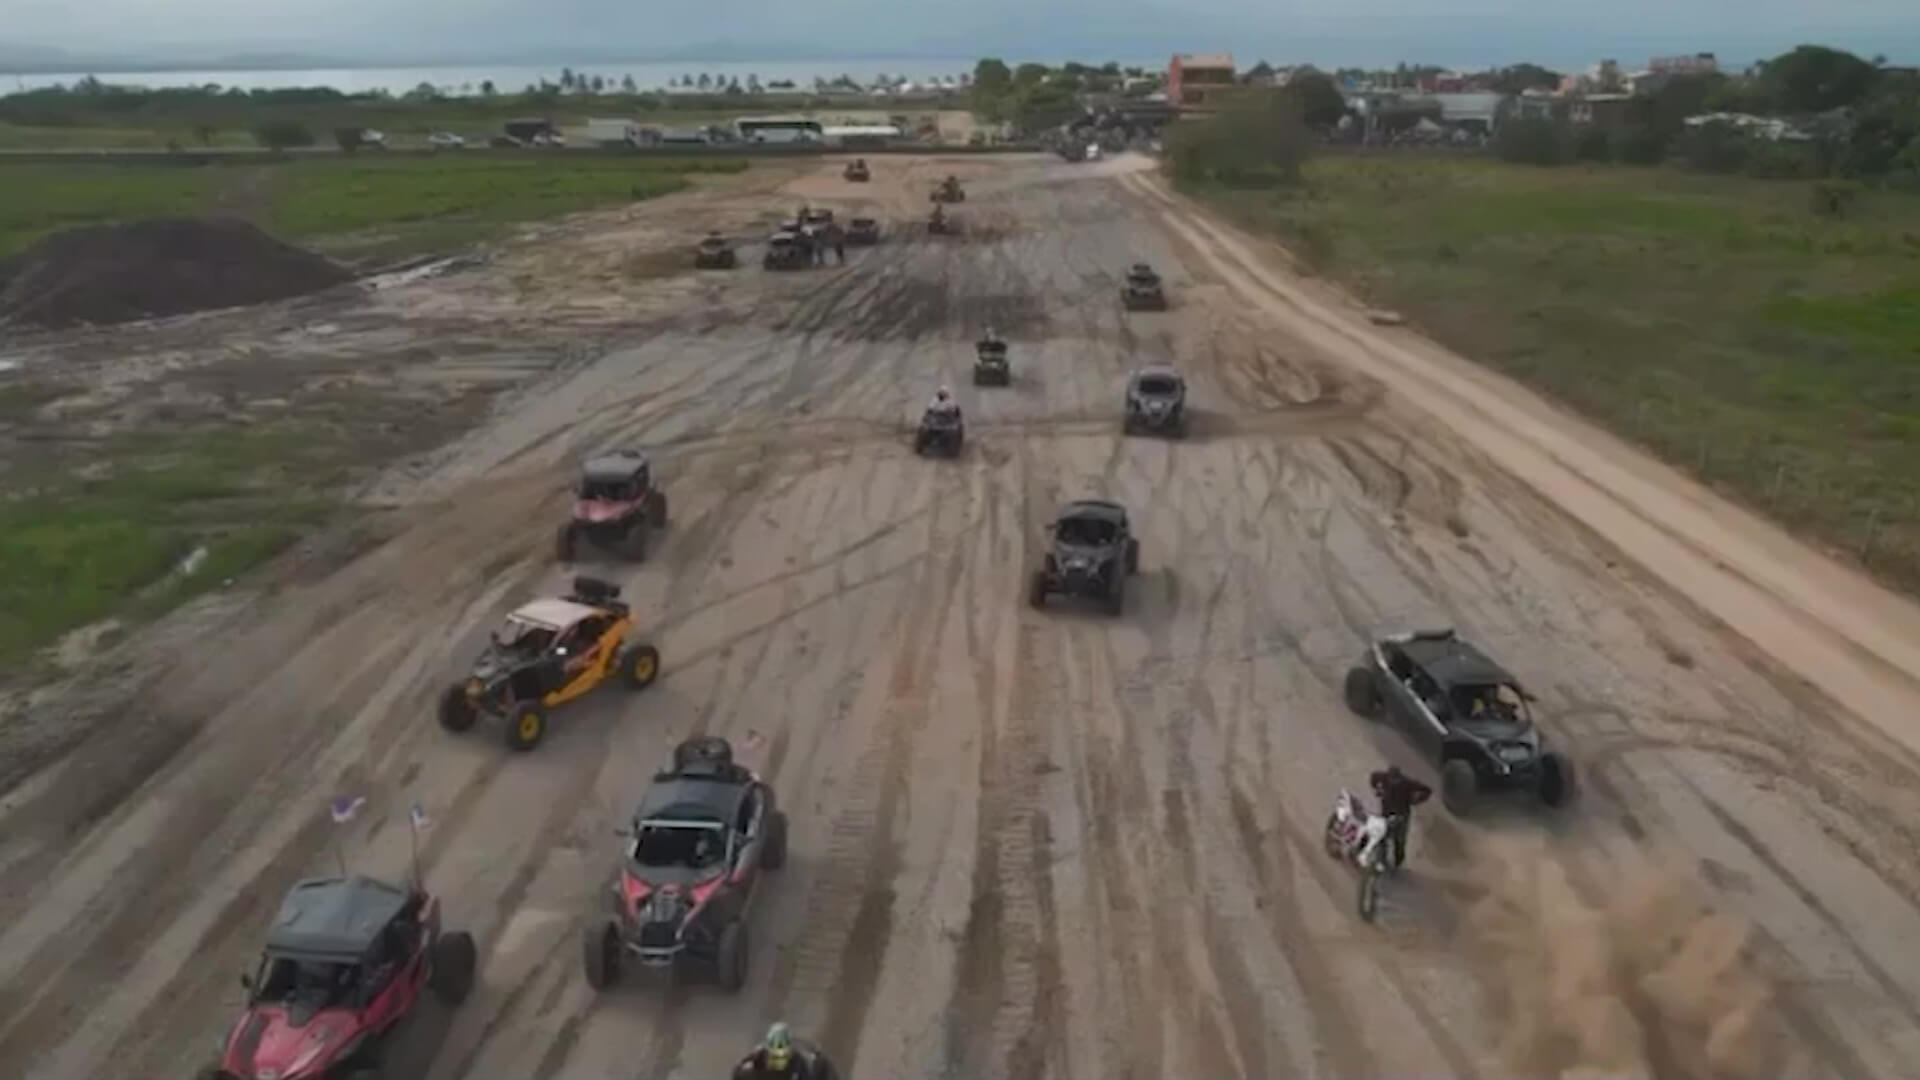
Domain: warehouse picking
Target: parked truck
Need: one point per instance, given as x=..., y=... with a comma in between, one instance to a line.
x=613, y=131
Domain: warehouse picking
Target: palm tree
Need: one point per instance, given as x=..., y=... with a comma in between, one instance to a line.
x=705, y=80
x=487, y=88
x=599, y=84
x=627, y=85
x=566, y=78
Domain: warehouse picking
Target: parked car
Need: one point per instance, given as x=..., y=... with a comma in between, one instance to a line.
x=446, y=140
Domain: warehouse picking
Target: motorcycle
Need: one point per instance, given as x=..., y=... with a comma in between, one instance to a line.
x=1359, y=836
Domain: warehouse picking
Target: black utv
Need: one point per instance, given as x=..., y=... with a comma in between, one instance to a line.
x=863, y=231
x=856, y=171
x=715, y=252
x=787, y=250
x=990, y=367
x=1143, y=290
x=1464, y=712
x=1092, y=554
x=940, y=433
x=1156, y=401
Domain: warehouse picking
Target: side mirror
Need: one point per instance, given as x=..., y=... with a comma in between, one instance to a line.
x=246, y=982
x=623, y=832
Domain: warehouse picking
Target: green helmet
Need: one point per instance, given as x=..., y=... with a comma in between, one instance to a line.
x=778, y=1045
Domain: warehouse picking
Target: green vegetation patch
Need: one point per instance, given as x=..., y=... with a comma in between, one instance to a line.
x=122, y=537
x=1726, y=322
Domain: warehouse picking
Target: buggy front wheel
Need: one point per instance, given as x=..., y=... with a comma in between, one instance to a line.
x=641, y=665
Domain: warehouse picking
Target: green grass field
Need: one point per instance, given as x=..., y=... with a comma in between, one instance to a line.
x=414, y=201
x=119, y=540
x=1720, y=321
x=103, y=534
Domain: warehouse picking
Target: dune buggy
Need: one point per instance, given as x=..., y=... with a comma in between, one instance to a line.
x=346, y=959
x=863, y=231
x=856, y=171
x=1092, y=554
x=1464, y=712
x=1156, y=401
x=690, y=870
x=990, y=366
x=715, y=252
x=1143, y=290
x=616, y=506
x=787, y=250
x=949, y=191
x=549, y=653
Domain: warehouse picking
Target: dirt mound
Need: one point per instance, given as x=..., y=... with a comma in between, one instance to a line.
x=168, y=266
x=1650, y=981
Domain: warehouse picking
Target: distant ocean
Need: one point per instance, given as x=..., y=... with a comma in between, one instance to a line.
x=647, y=75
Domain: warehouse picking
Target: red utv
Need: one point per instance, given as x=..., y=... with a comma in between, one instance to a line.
x=345, y=960
x=615, y=506
x=691, y=868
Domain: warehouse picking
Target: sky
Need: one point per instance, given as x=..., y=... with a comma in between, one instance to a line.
x=1326, y=31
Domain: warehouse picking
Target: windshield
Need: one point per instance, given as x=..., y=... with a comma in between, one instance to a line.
x=1491, y=707
x=675, y=851
x=523, y=637
x=618, y=490
x=1087, y=532
x=305, y=987
x=1159, y=386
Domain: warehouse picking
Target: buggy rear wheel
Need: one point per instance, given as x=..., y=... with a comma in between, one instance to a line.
x=564, y=543
x=1556, y=779
x=774, y=855
x=454, y=960
x=1459, y=786
x=1362, y=692
x=457, y=711
x=1133, y=555
x=1037, y=590
x=526, y=725
x=600, y=954
x=641, y=665
x=657, y=509
x=730, y=958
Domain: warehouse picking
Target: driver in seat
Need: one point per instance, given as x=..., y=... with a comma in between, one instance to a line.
x=943, y=405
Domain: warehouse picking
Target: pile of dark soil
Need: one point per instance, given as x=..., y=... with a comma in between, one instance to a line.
x=146, y=269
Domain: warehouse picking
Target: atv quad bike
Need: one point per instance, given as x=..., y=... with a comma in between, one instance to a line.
x=346, y=960
x=1156, y=401
x=940, y=432
x=690, y=870
x=715, y=253
x=816, y=217
x=616, y=506
x=856, y=171
x=1092, y=554
x=549, y=653
x=863, y=231
x=990, y=367
x=939, y=224
x=1464, y=712
x=949, y=191
x=1143, y=290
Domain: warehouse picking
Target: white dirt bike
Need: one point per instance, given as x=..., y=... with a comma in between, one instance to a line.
x=1358, y=836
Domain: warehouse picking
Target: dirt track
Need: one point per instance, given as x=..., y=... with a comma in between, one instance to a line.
x=1023, y=844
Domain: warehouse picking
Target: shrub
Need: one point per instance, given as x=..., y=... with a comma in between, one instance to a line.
x=1256, y=139
x=1533, y=141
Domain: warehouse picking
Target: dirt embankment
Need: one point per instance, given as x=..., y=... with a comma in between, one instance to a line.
x=104, y=274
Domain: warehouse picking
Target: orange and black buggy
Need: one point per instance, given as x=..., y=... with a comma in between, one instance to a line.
x=549, y=653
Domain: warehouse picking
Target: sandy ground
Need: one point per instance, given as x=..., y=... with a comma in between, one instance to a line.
x=1023, y=843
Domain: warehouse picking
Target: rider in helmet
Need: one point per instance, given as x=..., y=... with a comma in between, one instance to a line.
x=990, y=338
x=943, y=404
x=1398, y=794
x=781, y=1057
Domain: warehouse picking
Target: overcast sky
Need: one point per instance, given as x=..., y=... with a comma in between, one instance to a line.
x=1280, y=29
